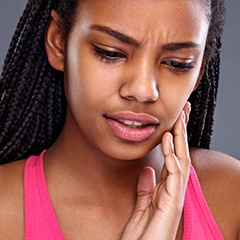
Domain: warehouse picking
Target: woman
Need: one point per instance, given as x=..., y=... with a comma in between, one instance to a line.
x=117, y=164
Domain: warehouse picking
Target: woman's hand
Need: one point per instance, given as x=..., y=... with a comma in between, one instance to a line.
x=159, y=207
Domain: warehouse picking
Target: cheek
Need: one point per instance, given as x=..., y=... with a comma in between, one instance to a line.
x=174, y=96
x=87, y=84
x=79, y=75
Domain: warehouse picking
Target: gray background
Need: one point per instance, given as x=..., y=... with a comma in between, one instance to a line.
x=226, y=127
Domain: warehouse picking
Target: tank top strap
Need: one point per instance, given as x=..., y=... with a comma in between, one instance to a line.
x=199, y=223
x=40, y=219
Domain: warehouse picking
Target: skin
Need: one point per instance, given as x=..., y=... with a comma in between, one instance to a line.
x=92, y=166
x=127, y=84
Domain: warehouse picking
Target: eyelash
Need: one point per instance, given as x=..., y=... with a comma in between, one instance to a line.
x=178, y=67
x=111, y=57
x=108, y=56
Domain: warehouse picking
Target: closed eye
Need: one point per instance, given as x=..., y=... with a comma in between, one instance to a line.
x=108, y=56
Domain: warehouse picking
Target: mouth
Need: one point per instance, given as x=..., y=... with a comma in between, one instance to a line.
x=132, y=127
x=132, y=124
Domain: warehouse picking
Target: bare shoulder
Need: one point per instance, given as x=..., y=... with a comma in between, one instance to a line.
x=11, y=197
x=219, y=176
x=213, y=164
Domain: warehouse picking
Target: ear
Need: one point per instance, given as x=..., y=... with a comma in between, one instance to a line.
x=201, y=72
x=54, y=42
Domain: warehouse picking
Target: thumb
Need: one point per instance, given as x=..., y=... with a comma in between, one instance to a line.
x=145, y=188
x=140, y=217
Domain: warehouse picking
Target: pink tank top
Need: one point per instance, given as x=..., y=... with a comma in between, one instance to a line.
x=41, y=222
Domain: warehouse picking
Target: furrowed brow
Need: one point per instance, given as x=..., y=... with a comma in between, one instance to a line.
x=180, y=45
x=120, y=36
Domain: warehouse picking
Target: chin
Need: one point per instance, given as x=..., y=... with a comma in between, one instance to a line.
x=129, y=153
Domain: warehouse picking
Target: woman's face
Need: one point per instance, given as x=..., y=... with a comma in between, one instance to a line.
x=130, y=67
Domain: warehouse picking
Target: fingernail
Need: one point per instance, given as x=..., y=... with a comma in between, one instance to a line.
x=183, y=116
x=184, y=121
x=171, y=142
x=188, y=110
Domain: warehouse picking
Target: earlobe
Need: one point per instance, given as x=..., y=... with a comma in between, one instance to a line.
x=54, y=43
x=201, y=72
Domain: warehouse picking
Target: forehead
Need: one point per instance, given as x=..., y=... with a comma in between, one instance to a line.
x=120, y=6
x=139, y=18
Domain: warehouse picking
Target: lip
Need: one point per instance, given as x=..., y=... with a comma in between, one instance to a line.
x=128, y=133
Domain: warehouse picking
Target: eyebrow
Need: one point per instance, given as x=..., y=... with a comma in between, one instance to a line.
x=120, y=36
x=129, y=40
x=180, y=45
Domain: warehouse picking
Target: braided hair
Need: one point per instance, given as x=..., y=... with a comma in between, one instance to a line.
x=32, y=100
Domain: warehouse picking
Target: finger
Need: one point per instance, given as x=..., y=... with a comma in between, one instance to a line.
x=187, y=110
x=164, y=173
x=172, y=170
x=140, y=216
x=145, y=188
x=181, y=148
x=168, y=196
x=171, y=163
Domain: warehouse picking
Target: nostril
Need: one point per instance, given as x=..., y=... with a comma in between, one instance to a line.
x=128, y=97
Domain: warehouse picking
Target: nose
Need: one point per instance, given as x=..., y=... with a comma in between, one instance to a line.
x=140, y=83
